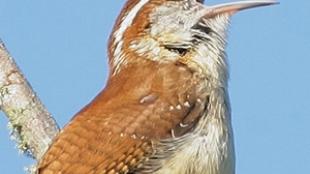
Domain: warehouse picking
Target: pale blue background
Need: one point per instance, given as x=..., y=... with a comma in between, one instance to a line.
x=61, y=47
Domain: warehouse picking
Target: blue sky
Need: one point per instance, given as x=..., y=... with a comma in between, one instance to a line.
x=61, y=48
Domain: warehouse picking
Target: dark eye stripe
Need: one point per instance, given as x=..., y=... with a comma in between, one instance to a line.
x=202, y=28
x=201, y=32
x=179, y=50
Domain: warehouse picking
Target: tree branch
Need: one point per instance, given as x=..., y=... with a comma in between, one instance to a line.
x=32, y=125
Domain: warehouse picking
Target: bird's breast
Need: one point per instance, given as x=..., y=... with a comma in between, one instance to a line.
x=207, y=149
x=201, y=154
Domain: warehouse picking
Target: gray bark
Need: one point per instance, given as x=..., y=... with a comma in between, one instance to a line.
x=32, y=125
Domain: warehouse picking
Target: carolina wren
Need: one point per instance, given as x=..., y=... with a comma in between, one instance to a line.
x=165, y=108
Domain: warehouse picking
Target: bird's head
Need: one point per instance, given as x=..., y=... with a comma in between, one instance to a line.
x=184, y=31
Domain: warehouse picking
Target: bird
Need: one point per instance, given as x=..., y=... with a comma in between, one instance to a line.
x=165, y=108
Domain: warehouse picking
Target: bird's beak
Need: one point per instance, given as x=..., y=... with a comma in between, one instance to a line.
x=233, y=7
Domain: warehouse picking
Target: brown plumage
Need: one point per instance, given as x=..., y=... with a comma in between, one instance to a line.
x=115, y=131
x=165, y=107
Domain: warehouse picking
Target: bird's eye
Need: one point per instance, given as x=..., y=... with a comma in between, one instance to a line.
x=179, y=50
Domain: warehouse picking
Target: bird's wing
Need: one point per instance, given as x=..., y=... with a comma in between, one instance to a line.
x=87, y=146
x=115, y=134
x=78, y=150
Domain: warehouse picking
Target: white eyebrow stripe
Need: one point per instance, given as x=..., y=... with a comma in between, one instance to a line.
x=118, y=35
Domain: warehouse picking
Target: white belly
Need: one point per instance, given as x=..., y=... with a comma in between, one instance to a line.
x=212, y=153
